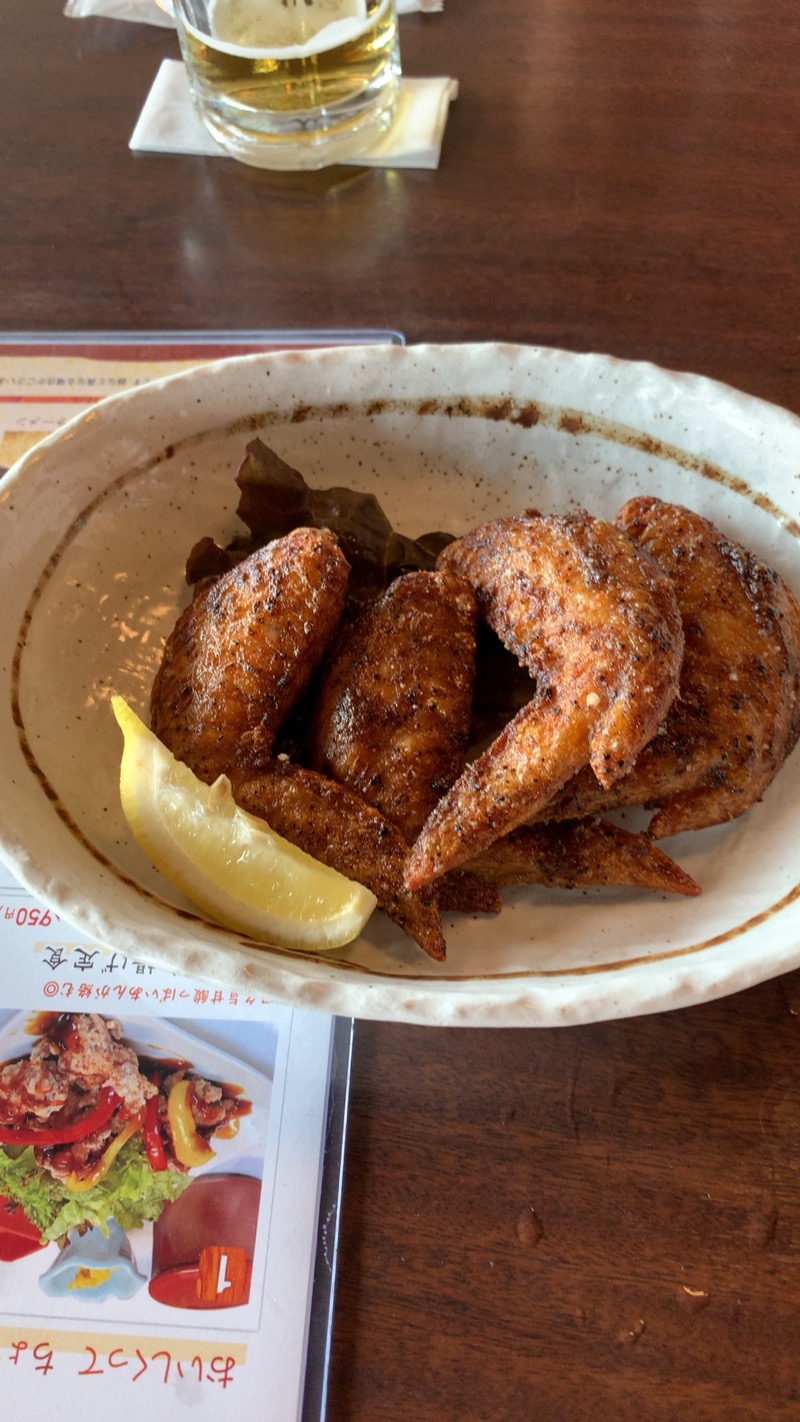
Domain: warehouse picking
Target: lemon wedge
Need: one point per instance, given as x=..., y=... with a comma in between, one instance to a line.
x=228, y=862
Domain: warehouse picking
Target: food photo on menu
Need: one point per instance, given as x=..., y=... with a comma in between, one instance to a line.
x=131, y=1163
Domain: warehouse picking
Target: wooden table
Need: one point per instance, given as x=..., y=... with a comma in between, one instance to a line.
x=591, y=1223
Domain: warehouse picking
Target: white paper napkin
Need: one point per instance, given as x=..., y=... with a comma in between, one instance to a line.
x=149, y=12
x=146, y=12
x=168, y=122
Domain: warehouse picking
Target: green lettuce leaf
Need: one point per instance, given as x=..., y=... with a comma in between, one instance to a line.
x=131, y=1193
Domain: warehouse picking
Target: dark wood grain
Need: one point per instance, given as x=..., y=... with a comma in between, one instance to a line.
x=617, y=177
x=599, y=1222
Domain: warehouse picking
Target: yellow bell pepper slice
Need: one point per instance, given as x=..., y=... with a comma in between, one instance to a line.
x=101, y=1169
x=191, y=1149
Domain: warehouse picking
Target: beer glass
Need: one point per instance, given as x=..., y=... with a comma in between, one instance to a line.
x=291, y=84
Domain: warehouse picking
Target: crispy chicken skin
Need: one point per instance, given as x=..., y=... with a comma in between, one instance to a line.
x=338, y=827
x=243, y=651
x=392, y=712
x=596, y=623
x=581, y=853
x=737, y=716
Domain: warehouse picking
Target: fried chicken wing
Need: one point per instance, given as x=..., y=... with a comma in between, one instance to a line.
x=243, y=651
x=392, y=711
x=596, y=623
x=468, y=893
x=338, y=827
x=393, y=708
x=585, y=853
x=737, y=716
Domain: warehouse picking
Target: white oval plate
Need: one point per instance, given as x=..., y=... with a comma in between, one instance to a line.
x=97, y=521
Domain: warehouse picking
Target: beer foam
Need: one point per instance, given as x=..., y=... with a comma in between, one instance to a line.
x=252, y=30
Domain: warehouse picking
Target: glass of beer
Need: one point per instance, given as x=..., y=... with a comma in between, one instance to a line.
x=292, y=84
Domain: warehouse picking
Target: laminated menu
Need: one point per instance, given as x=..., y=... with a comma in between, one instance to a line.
x=169, y=1262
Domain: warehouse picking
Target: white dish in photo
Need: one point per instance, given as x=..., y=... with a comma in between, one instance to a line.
x=96, y=525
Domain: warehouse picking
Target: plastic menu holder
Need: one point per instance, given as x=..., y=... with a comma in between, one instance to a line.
x=48, y=377
x=331, y=1191
x=220, y=342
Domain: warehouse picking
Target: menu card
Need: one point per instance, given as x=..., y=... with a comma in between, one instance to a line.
x=46, y=379
x=186, y=1260
x=163, y=1287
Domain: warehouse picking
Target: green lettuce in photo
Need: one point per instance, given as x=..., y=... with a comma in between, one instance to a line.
x=131, y=1193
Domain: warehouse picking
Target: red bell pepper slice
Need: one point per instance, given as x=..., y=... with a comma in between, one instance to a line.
x=151, y=1135
x=53, y=1135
